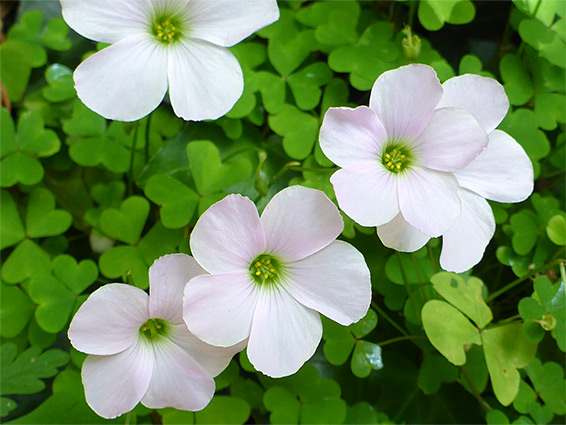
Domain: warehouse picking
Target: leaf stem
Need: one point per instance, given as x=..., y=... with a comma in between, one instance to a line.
x=312, y=170
x=526, y=277
x=400, y=338
x=132, y=157
x=419, y=276
x=475, y=391
x=392, y=322
x=406, y=285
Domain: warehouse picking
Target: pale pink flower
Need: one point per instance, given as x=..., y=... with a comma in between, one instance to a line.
x=140, y=348
x=399, y=155
x=503, y=172
x=180, y=45
x=271, y=276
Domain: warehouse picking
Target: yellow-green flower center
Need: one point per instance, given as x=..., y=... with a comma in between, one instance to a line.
x=167, y=29
x=154, y=329
x=265, y=269
x=396, y=158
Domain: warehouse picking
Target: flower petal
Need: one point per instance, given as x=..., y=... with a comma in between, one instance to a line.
x=168, y=277
x=503, y=172
x=299, y=221
x=219, y=308
x=109, y=320
x=107, y=21
x=482, y=97
x=115, y=384
x=125, y=81
x=177, y=381
x=405, y=98
x=401, y=236
x=429, y=200
x=367, y=192
x=213, y=359
x=205, y=80
x=348, y=136
x=284, y=334
x=464, y=244
x=228, y=236
x=335, y=281
x=227, y=22
x=451, y=140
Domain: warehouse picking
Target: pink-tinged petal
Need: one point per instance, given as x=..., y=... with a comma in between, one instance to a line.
x=482, y=97
x=401, y=236
x=299, y=221
x=450, y=141
x=205, y=80
x=115, y=384
x=503, y=172
x=213, y=359
x=168, y=277
x=334, y=281
x=178, y=380
x=348, y=136
x=429, y=200
x=284, y=335
x=228, y=236
x=464, y=244
x=227, y=22
x=125, y=81
x=367, y=192
x=219, y=308
x=108, y=322
x=405, y=98
x=107, y=21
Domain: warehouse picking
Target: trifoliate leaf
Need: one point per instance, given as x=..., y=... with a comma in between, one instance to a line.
x=224, y=409
x=127, y=223
x=282, y=404
x=25, y=261
x=42, y=219
x=365, y=358
x=365, y=325
x=305, y=84
x=55, y=302
x=77, y=276
x=299, y=130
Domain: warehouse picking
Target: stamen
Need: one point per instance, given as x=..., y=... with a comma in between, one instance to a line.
x=265, y=269
x=395, y=159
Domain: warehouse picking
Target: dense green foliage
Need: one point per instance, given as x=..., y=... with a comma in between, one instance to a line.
x=85, y=202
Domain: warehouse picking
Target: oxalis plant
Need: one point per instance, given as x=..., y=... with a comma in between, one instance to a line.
x=261, y=211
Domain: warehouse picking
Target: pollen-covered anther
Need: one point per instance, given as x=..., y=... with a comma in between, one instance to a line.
x=395, y=159
x=166, y=30
x=264, y=269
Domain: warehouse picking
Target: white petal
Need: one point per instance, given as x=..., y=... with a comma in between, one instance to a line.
x=405, y=98
x=284, y=334
x=228, y=236
x=503, y=172
x=348, y=136
x=464, y=244
x=482, y=97
x=205, y=80
x=299, y=221
x=219, y=308
x=177, y=381
x=107, y=20
x=401, y=236
x=168, y=277
x=367, y=192
x=108, y=322
x=227, y=22
x=125, y=81
x=115, y=384
x=335, y=282
x=451, y=140
x=213, y=359
x=429, y=200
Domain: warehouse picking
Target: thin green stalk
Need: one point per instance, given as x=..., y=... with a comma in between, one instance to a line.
x=406, y=285
x=526, y=277
x=312, y=170
x=412, y=12
x=132, y=157
x=419, y=277
x=284, y=169
x=400, y=338
x=392, y=322
x=431, y=258
x=146, y=147
x=475, y=391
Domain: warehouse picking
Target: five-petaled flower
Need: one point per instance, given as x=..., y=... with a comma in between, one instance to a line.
x=161, y=44
x=503, y=172
x=271, y=276
x=140, y=348
x=398, y=156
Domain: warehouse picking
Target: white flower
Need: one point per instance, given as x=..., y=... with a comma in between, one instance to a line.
x=272, y=276
x=398, y=156
x=503, y=173
x=140, y=349
x=160, y=44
